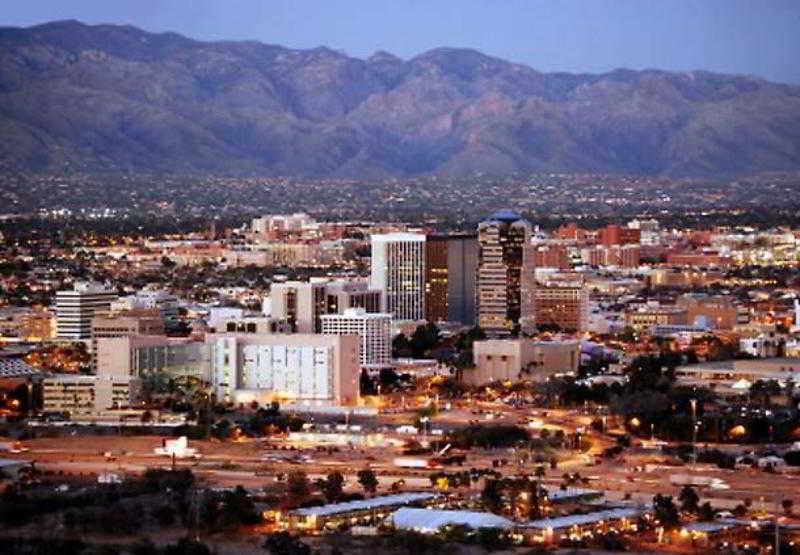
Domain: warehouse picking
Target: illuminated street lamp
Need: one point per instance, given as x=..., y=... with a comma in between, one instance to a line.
x=423, y=420
x=693, y=403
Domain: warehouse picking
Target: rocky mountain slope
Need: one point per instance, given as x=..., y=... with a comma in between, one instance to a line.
x=113, y=98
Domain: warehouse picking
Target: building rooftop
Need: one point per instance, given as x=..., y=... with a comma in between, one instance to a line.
x=505, y=215
x=572, y=493
x=765, y=365
x=365, y=504
x=562, y=522
x=16, y=368
x=398, y=236
x=431, y=520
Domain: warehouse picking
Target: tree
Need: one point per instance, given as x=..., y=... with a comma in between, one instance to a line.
x=423, y=339
x=689, y=499
x=298, y=486
x=164, y=515
x=705, y=512
x=665, y=511
x=237, y=508
x=492, y=539
x=282, y=543
x=492, y=496
x=332, y=487
x=368, y=481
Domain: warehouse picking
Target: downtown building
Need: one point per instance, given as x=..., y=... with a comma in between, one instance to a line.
x=304, y=369
x=302, y=304
x=398, y=270
x=374, y=331
x=123, y=324
x=561, y=301
x=76, y=308
x=451, y=271
x=501, y=239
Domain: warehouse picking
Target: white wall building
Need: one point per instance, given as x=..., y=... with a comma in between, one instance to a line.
x=398, y=269
x=373, y=330
x=302, y=368
x=149, y=299
x=75, y=309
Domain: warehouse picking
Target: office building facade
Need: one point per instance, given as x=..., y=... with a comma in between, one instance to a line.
x=76, y=308
x=373, y=330
x=562, y=303
x=451, y=271
x=501, y=239
x=302, y=304
x=398, y=270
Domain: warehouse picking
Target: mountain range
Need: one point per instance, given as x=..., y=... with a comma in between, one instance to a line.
x=107, y=98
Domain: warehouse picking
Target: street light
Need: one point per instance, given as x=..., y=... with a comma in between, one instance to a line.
x=693, y=403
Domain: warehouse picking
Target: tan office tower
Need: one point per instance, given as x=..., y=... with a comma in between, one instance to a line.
x=124, y=324
x=501, y=238
x=562, y=302
x=527, y=317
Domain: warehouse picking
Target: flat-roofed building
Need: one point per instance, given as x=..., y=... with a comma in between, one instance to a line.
x=522, y=359
x=342, y=295
x=301, y=304
x=75, y=309
x=374, y=331
x=563, y=303
x=643, y=317
x=715, y=311
x=366, y=511
x=398, y=270
x=501, y=238
x=123, y=324
x=87, y=395
x=309, y=369
x=734, y=377
x=451, y=268
x=138, y=356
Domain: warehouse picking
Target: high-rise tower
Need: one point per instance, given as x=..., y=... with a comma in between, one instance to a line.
x=398, y=269
x=501, y=239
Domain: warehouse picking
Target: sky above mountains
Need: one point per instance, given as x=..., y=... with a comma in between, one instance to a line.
x=754, y=37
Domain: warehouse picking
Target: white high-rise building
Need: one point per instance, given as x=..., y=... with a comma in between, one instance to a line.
x=398, y=269
x=75, y=309
x=374, y=331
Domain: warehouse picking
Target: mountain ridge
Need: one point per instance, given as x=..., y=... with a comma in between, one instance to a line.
x=107, y=98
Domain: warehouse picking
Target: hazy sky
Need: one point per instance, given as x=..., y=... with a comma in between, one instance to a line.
x=759, y=37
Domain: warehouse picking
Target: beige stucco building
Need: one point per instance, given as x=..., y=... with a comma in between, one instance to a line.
x=88, y=395
x=517, y=359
